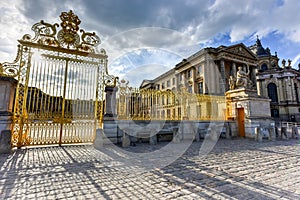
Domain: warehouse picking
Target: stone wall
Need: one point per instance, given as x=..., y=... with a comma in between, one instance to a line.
x=120, y=131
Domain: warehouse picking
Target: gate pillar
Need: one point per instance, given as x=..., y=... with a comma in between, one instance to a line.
x=110, y=101
x=7, y=91
x=110, y=132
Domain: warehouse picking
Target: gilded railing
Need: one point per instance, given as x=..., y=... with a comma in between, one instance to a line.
x=135, y=104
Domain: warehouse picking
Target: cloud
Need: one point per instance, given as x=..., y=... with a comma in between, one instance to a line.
x=140, y=64
x=148, y=38
x=185, y=25
x=136, y=75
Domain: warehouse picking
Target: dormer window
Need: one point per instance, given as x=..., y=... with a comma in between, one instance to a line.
x=264, y=67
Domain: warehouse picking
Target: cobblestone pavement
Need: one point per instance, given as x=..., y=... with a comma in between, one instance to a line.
x=234, y=169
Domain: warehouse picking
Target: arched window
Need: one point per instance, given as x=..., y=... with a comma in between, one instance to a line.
x=274, y=113
x=296, y=92
x=264, y=67
x=272, y=92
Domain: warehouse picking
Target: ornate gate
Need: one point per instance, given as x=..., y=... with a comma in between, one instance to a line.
x=61, y=78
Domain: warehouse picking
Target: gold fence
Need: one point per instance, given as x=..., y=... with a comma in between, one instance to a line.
x=152, y=104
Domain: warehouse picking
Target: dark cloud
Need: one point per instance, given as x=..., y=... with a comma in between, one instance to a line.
x=38, y=10
x=201, y=20
x=122, y=14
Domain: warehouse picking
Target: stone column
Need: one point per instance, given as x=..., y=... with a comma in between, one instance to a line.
x=222, y=70
x=281, y=90
x=110, y=132
x=253, y=75
x=259, y=87
x=110, y=101
x=288, y=88
x=7, y=92
x=233, y=69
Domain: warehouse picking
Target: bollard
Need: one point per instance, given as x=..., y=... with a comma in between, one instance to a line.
x=153, y=140
x=295, y=133
x=125, y=140
x=176, y=138
x=283, y=133
x=276, y=132
x=5, y=141
x=272, y=134
x=258, y=135
x=98, y=142
x=228, y=131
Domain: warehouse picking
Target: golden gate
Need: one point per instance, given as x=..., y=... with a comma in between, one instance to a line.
x=61, y=78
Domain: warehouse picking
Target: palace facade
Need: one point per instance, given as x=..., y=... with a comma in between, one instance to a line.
x=211, y=71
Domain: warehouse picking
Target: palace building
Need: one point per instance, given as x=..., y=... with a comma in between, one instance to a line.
x=212, y=70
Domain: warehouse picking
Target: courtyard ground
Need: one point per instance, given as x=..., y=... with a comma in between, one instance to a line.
x=234, y=169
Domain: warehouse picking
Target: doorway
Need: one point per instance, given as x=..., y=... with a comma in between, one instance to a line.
x=241, y=122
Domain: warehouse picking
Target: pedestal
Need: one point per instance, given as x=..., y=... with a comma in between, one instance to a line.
x=110, y=101
x=249, y=110
x=7, y=92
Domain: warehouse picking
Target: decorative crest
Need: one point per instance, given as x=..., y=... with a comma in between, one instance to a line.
x=67, y=37
x=70, y=22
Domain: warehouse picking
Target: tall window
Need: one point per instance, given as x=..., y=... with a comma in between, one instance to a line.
x=190, y=89
x=168, y=113
x=272, y=92
x=179, y=112
x=200, y=87
x=189, y=73
x=168, y=83
x=173, y=80
x=296, y=92
x=199, y=69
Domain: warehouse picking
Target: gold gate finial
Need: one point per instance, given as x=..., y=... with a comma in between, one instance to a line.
x=70, y=21
x=68, y=37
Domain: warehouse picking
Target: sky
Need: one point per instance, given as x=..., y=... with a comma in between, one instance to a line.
x=145, y=38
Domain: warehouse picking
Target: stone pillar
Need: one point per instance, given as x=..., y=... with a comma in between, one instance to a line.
x=258, y=134
x=288, y=88
x=296, y=133
x=281, y=92
x=272, y=133
x=233, y=69
x=7, y=93
x=110, y=127
x=228, y=131
x=259, y=87
x=110, y=101
x=222, y=70
x=283, y=133
x=125, y=140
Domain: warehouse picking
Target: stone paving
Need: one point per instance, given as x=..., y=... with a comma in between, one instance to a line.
x=234, y=169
